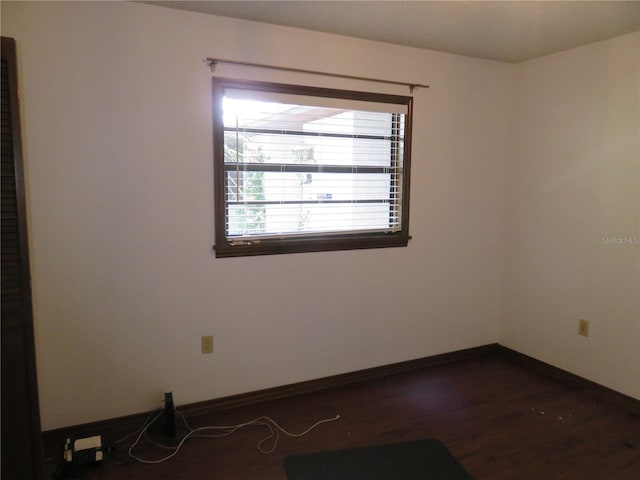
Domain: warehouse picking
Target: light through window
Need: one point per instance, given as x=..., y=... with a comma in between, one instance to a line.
x=308, y=169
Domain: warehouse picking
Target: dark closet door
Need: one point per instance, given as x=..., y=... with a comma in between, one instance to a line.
x=21, y=435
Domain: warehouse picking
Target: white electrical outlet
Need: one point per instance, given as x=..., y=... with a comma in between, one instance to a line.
x=583, y=327
x=207, y=344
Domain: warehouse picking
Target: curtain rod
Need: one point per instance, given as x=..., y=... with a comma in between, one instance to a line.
x=214, y=61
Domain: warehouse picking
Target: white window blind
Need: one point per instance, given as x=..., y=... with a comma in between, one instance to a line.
x=303, y=166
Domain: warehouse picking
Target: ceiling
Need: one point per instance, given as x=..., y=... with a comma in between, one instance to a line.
x=508, y=31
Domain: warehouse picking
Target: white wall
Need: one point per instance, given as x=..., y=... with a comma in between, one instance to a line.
x=117, y=138
x=573, y=190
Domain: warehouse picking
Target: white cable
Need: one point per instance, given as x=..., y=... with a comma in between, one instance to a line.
x=143, y=425
x=272, y=425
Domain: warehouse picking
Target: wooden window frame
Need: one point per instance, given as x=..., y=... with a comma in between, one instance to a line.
x=296, y=243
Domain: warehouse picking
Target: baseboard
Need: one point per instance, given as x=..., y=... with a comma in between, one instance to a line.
x=335, y=381
x=605, y=393
x=115, y=428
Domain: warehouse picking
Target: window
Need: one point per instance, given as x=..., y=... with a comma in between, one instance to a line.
x=301, y=169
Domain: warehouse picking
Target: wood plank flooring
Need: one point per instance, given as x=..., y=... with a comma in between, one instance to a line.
x=501, y=420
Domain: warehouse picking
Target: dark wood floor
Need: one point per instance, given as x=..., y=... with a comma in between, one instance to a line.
x=501, y=420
